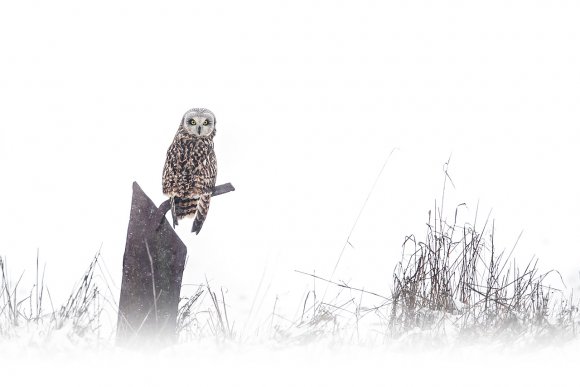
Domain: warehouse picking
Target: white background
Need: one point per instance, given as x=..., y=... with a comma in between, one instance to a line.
x=310, y=99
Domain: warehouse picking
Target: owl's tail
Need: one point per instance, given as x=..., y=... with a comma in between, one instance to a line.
x=198, y=207
x=201, y=213
x=185, y=207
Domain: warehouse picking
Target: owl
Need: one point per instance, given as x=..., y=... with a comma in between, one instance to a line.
x=191, y=168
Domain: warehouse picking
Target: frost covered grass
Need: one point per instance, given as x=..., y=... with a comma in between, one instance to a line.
x=36, y=317
x=451, y=286
x=445, y=291
x=456, y=279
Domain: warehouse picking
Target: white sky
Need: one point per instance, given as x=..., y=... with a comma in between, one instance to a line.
x=310, y=98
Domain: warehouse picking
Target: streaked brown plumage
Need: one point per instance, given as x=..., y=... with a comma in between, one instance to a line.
x=190, y=168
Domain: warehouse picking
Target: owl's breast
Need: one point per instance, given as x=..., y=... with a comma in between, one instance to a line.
x=195, y=168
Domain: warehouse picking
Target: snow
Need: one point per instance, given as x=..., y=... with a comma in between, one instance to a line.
x=310, y=365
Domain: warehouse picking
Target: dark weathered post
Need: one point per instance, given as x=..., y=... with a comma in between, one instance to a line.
x=153, y=266
x=152, y=269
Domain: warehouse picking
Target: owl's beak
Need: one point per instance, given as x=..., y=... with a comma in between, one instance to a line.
x=199, y=129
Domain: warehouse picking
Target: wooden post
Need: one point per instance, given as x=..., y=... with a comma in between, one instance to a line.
x=153, y=266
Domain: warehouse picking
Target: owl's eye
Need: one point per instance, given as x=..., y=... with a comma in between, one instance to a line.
x=205, y=123
x=192, y=121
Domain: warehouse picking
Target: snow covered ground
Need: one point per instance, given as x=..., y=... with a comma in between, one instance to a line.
x=311, y=365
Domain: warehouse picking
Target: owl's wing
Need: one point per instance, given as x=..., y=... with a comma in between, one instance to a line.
x=204, y=183
x=201, y=213
x=169, y=180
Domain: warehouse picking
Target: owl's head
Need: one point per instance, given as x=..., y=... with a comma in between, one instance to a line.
x=199, y=122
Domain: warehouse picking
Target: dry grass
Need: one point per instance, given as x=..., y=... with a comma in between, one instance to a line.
x=456, y=277
x=452, y=283
x=198, y=318
x=456, y=274
x=80, y=314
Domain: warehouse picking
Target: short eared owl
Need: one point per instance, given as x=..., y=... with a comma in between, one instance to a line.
x=190, y=168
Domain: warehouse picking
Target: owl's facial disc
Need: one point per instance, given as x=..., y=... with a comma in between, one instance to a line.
x=199, y=124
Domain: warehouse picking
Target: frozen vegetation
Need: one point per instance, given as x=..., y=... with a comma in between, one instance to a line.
x=460, y=309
